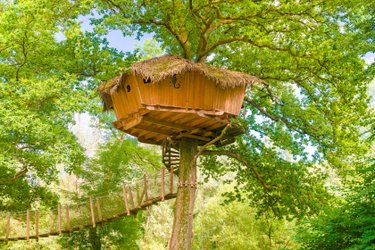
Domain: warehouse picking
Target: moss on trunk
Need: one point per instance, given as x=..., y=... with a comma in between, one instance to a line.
x=184, y=206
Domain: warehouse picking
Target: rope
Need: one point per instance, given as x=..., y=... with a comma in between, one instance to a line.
x=88, y=211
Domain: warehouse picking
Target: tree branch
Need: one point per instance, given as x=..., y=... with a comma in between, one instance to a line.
x=275, y=117
x=24, y=52
x=240, y=159
x=183, y=42
x=18, y=175
x=246, y=40
x=203, y=148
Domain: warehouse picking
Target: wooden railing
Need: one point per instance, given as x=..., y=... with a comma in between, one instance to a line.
x=126, y=200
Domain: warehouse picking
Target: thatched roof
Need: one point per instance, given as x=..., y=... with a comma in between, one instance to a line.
x=159, y=68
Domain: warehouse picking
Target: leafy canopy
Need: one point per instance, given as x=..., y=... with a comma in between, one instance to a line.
x=306, y=114
x=351, y=226
x=48, y=70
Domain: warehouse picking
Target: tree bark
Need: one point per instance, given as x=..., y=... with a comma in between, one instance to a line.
x=184, y=206
x=94, y=237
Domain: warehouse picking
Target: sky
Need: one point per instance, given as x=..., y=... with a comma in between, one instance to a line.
x=115, y=37
x=128, y=43
x=369, y=58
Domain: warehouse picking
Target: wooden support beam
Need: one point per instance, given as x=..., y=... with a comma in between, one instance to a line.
x=67, y=218
x=138, y=193
x=7, y=227
x=131, y=197
x=145, y=183
x=37, y=225
x=59, y=218
x=197, y=137
x=125, y=199
x=202, y=132
x=92, y=212
x=142, y=133
x=27, y=224
x=171, y=180
x=162, y=184
x=140, y=200
x=154, y=130
x=127, y=123
x=99, y=210
x=167, y=124
x=179, y=127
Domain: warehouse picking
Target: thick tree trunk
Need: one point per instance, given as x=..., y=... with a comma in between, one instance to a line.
x=184, y=206
x=94, y=237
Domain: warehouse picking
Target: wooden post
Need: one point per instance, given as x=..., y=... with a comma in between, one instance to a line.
x=156, y=184
x=145, y=182
x=67, y=218
x=131, y=197
x=125, y=199
x=37, y=225
x=171, y=180
x=138, y=194
x=140, y=200
x=99, y=210
x=59, y=218
x=162, y=184
x=184, y=204
x=7, y=228
x=27, y=224
x=92, y=212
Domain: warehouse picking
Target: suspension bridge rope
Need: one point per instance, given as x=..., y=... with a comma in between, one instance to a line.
x=128, y=199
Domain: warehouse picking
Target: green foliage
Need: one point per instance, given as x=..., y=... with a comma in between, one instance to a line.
x=271, y=184
x=43, y=244
x=147, y=50
x=119, y=234
x=304, y=118
x=157, y=229
x=236, y=225
x=49, y=69
x=117, y=161
x=350, y=226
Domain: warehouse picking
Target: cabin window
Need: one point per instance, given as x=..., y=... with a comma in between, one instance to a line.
x=128, y=88
x=146, y=80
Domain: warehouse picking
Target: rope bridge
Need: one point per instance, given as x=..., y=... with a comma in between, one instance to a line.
x=124, y=201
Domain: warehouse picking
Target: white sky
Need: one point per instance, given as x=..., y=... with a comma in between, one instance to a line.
x=115, y=37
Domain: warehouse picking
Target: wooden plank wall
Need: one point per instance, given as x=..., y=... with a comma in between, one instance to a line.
x=195, y=91
x=126, y=102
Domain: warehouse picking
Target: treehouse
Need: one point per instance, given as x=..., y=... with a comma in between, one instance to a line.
x=172, y=97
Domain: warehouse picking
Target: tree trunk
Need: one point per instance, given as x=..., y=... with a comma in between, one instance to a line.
x=184, y=206
x=94, y=237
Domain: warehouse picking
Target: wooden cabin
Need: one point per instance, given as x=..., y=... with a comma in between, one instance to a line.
x=169, y=96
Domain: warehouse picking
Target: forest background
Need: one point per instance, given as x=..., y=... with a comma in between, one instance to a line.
x=301, y=177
